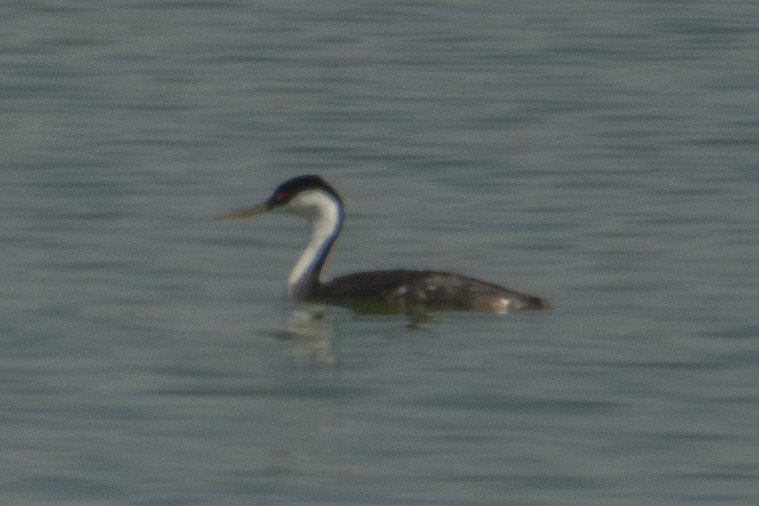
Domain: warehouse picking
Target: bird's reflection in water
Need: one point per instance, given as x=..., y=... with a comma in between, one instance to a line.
x=310, y=334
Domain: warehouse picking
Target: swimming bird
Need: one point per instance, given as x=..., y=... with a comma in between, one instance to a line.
x=381, y=291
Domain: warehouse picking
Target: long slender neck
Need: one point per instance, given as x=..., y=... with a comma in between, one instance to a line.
x=325, y=218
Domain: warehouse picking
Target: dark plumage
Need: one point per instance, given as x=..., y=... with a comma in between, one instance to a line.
x=401, y=290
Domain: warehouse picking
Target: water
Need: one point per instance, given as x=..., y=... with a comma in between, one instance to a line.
x=602, y=155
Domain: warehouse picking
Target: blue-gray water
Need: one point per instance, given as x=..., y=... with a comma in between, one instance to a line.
x=602, y=154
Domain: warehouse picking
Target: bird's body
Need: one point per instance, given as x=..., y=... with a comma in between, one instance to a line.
x=403, y=290
x=383, y=291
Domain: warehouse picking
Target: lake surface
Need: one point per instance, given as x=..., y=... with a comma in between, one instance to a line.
x=603, y=155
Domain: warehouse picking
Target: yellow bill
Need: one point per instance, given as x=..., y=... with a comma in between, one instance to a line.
x=246, y=212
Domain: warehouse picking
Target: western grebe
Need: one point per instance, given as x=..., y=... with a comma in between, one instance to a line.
x=386, y=291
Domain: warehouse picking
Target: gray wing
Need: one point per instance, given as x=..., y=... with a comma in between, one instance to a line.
x=400, y=290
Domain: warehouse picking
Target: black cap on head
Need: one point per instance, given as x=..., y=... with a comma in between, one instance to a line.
x=290, y=188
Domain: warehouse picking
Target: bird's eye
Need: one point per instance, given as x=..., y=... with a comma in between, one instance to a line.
x=279, y=196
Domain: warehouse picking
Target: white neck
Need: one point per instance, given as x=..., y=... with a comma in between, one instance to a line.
x=324, y=216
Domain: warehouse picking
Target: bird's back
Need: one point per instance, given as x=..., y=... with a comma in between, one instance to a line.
x=402, y=290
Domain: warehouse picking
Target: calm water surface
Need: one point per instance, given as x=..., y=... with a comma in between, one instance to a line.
x=604, y=156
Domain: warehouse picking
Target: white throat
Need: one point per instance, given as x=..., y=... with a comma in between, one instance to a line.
x=324, y=218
